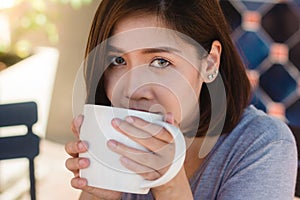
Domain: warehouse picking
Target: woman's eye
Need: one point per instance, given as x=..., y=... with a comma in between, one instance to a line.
x=118, y=61
x=160, y=63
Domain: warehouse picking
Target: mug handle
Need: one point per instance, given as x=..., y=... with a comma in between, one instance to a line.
x=179, y=157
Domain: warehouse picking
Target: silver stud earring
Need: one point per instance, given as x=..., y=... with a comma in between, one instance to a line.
x=211, y=77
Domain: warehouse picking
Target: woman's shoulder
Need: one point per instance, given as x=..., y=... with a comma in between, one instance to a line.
x=255, y=131
x=243, y=160
x=258, y=125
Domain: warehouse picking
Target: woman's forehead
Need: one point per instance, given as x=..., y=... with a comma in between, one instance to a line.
x=147, y=39
x=155, y=39
x=146, y=30
x=138, y=20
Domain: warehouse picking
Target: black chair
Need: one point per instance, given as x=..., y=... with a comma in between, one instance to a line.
x=20, y=146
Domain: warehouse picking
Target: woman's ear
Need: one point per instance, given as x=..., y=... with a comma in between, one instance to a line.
x=210, y=69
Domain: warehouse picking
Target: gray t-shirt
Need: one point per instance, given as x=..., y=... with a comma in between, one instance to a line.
x=256, y=161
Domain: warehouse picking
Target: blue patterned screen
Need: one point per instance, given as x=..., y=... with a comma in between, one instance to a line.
x=267, y=35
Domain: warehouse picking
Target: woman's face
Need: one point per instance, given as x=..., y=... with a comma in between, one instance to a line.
x=153, y=70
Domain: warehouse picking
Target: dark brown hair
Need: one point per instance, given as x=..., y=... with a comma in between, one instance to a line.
x=203, y=21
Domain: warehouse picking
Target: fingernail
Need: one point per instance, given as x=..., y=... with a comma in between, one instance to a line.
x=78, y=120
x=124, y=160
x=82, y=146
x=168, y=117
x=129, y=120
x=116, y=122
x=83, y=162
x=82, y=182
x=112, y=143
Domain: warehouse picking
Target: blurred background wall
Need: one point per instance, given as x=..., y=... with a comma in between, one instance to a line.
x=73, y=28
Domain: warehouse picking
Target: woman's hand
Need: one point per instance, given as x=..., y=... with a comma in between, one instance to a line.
x=151, y=164
x=74, y=164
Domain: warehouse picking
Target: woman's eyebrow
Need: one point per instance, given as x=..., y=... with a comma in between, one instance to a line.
x=111, y=48
x=160, y=50
x=145, y=50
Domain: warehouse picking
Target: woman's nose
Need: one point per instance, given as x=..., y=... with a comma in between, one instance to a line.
x=136, y=83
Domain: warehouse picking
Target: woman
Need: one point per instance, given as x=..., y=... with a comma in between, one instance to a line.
x=253, y=155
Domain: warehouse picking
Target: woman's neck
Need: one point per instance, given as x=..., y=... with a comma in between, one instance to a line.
x=192, y=160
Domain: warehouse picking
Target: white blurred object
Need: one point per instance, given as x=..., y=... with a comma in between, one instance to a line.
x=4, y=4
x=5, y=31
x=32, y=79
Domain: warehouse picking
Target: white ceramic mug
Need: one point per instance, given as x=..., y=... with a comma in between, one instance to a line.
x=105, y=170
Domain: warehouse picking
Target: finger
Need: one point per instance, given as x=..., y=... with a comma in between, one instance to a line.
x=78, y=183
x=101, y=193
x=82, y=183
x=148, y=159
x=138, y=135
x=73, y=164
x=146, y=172
x=169, y=118
x=76, y=125
x=154, y=130
x=73, y=148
